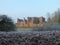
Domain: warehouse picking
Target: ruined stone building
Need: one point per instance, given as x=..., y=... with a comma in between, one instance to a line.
x=30, y=22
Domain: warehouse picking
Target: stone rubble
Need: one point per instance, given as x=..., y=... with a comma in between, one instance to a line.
x=30, y=38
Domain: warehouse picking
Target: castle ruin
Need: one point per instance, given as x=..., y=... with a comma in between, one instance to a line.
x=30, y=22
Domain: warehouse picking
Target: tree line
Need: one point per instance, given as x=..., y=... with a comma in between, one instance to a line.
x=7, y=24
x=54, y=17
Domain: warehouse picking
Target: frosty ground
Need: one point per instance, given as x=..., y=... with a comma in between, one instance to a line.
x=30, y=38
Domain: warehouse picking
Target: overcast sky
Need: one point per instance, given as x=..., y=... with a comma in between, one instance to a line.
x=24, y=8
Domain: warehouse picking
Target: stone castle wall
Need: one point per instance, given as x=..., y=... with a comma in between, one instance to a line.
x=31, y=22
